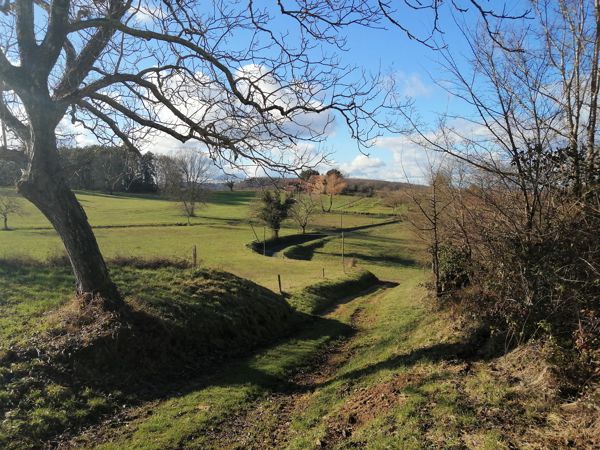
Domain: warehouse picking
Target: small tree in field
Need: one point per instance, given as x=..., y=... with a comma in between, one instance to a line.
x=272, y=209
x=195, y=170
x=302, y=210
x=8, y=206
x=230, y=184
x=329, y=185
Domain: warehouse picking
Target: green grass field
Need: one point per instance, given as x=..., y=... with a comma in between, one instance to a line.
x=145, y=226
x=396, y=377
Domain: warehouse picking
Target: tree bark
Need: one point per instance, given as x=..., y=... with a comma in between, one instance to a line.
x=44, y=185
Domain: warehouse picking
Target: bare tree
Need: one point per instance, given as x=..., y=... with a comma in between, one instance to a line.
x=393, y=198
x=529, y=202
x=328, y=185
x=570, y=31
x=8, y=205
x=113, y=167
x=427, y=214
x=3, y=128
x=302, y=210
x=121, y=70
x=168, y=176
x=230, y=183
x=195, y=170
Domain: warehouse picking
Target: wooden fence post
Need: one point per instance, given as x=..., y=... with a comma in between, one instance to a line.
x=279, y=282
x=343, y=253
x=194, y=257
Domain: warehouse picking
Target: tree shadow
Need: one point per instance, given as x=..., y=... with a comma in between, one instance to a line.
x=244, y=370
x=381, y=284
x=306, y=252
x=231, y=198
x=120, y=195
x=470, y=350
x=382, y=259
x=359, y=228
x=137, y=357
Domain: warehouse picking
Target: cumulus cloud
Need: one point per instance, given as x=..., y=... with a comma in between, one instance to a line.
x=410, y=161
x=363, y=166
x=411, y=85
x=393, y=158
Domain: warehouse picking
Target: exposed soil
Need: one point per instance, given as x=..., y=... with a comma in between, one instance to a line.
x=266, y=425
x=364, y=405
x=239, y=431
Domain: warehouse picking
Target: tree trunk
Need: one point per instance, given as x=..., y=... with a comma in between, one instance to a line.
x=44, y=185
x=6, y=223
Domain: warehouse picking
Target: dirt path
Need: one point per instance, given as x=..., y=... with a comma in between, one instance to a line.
x=266, y=425
x=265, y=422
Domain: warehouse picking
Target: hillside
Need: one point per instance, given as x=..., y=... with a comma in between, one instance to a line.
x=199, y=248
x=210, y=359
x=181, y=321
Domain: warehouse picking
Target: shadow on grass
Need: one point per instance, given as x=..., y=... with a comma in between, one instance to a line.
x=379, y=259
x=150, y=362
x=142, y=354
x=231, y=198
x=306, y=252
x=121, y=195
x=465, y=351
x=290, y=353
x=218, y=198
x=359, y=228
x=146, y=362
x=364, y=292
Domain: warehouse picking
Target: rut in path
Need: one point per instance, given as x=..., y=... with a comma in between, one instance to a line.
x=266, y=424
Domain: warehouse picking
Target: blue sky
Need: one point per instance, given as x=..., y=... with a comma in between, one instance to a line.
x=415, y=68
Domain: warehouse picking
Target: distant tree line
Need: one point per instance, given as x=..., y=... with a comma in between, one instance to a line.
x=10, y=171
x=98, y=168
x=109, y=169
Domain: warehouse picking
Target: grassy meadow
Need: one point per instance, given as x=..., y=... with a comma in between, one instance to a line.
x=342, y=362
x=151, y=227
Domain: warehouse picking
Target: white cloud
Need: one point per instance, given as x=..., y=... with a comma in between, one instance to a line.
x=363, y=166
x=411, y=85
x=410, y=161
x=392, y=158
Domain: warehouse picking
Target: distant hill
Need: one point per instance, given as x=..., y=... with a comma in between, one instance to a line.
x=359, y=186
x=377, y=185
